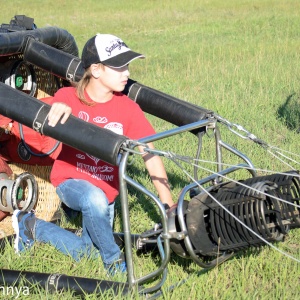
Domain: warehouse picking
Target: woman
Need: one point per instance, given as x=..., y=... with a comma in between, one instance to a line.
x=83, y=182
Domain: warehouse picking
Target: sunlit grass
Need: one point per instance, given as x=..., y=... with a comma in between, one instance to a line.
x=240, y=59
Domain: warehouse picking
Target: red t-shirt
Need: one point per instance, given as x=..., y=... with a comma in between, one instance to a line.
x=121, y=115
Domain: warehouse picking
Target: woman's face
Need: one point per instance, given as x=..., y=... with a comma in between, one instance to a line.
x=114, y=79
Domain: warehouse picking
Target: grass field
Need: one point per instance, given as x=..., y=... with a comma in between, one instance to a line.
x=239, y=58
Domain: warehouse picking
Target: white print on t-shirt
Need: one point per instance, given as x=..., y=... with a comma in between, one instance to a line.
x=95, y=169
x=84, y=116
x=95, y=159
x=96, y=172
x=100, y=119
x=115, y=127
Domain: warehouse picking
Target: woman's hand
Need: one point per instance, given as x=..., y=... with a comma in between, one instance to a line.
x=59, y=110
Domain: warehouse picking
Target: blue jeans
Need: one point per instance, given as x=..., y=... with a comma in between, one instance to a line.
x=97, y=217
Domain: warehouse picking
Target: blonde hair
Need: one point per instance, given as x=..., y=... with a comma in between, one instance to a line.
x=82, y=84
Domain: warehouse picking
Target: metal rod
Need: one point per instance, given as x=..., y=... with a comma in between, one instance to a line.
x=238, y=153
x=171, y=132
x=165, y=233
x=126, y=220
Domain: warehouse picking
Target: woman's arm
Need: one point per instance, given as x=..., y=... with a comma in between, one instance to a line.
x=158, y=176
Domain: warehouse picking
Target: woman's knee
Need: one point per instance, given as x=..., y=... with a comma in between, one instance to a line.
x=95, y=200
x=81, y=195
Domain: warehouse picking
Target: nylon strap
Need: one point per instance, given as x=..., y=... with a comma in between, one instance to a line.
x=40, y=119
x=72, y=69
x=134, y=91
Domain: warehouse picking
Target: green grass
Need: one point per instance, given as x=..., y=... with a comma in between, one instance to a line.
x=240, y=59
